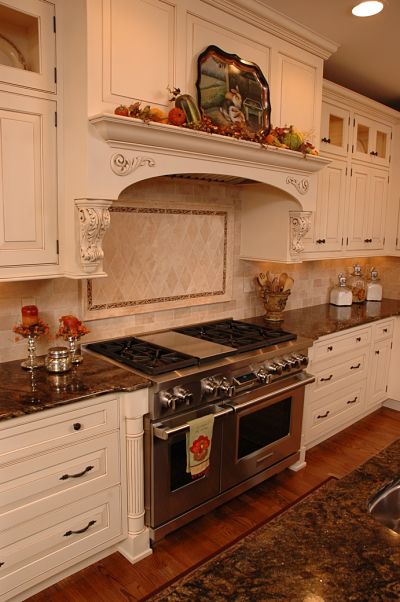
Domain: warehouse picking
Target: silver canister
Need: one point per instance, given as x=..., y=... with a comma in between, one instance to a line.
x=58, y=359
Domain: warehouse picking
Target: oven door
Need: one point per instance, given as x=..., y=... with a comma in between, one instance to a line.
x=264, y=429
x=171, y=491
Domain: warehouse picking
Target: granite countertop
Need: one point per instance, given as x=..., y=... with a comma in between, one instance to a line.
x=325, y=548
x=24, y=392
x=319, y=320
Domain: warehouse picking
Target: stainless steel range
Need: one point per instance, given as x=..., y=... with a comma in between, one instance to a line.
x=251, y=378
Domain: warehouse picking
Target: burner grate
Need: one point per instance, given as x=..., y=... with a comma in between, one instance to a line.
x=240, y=335
x=146, y=357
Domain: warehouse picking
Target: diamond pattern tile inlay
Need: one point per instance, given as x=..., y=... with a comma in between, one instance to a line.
x=163, y=257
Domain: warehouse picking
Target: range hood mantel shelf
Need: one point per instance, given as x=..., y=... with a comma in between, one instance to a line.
x=175, y=150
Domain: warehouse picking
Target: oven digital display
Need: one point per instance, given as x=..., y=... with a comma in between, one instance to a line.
x=245, y=379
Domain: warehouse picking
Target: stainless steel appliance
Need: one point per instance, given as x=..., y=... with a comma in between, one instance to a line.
x=251, y=377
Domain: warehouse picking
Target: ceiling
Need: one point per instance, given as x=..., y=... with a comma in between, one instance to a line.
x=367, y=60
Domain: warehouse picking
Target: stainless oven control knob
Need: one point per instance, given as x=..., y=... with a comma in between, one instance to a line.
x=263, y=375
x=182, y=395
x=303, y=359
x=292, y=360
x=167, y=400
x=282, y=363
x=273, y=368
x=209, y=385
x=225, y=387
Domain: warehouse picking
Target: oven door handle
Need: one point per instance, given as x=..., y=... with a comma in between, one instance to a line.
x=303, y=379
x=164, y=433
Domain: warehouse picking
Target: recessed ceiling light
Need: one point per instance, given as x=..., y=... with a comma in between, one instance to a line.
x=367, y=9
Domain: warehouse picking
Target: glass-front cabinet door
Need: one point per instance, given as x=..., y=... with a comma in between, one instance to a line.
x=371, y=141
x=334, y=129
x=27, y=44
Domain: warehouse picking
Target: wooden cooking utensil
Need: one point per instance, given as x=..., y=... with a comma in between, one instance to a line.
x=288, y=284
x=281, y=282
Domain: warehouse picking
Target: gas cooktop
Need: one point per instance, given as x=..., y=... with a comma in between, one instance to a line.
x=193, y=345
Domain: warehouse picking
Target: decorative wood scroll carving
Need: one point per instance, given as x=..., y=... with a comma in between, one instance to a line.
x=122, y=166
x=300, y=223
x=94, y=220
x=302, y=186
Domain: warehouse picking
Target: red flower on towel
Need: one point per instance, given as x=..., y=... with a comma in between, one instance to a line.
x=199, y=447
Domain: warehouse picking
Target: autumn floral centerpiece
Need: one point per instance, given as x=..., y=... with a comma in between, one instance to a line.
x=71, y=329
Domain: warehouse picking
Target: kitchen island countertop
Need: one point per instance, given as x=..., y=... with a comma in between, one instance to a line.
x=23, y=392
x=320, y=320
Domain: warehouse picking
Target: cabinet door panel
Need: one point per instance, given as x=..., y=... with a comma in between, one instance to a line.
x=28, y=194
x=28, y=28
x=138, y=47
x=378, y=379
x=377, y=209
x=358, y=208
x=334, y=130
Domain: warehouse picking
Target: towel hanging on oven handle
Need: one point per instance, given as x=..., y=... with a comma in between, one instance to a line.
x=163, y=433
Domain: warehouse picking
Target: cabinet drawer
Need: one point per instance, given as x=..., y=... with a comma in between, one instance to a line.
x=74, y=472
x=338, y=345
x=383, y=330
x=353, y=367
x=58, y=429
x=335, y=409
x=60, y=537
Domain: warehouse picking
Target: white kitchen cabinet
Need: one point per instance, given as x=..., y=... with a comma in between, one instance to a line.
x=62, y=490
x=371, y=141
x=382, y=335
x=367, y=208
x=351, y=371
x=27, y=44
x=335, y=122
x=326, y=232
x=28, y=192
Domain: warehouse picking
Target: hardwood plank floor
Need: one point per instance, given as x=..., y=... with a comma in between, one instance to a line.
x=114, y=579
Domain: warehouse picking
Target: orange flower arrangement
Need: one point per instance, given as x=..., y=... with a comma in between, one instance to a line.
x=71, y=326
x=36, y=330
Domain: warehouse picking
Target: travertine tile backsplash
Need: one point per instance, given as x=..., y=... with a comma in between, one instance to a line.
x=55, y=297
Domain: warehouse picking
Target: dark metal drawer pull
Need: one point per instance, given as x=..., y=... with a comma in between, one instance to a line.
x=77, y=475
x=90, y=524
x=320, y=241
x=327, y=140
x=352, y=400
x=358, y=339
x=355, y=367
x=324, y=415
x=385, y=330
x=1, y=563
x=325, y=379
x=77, y=426
x=376, y=352
x=330, y=348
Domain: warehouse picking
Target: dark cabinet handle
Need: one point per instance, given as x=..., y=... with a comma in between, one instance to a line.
x=327, y=140
x=1, y=563
x=77, y=475
x=330, y=348
x=320, y=241
x=90, y=524
x=355, y=367
x=374, y=153
x=323, y=415
x=376, y=352
x=325, y=379
x=367, y=239
x=358, y=339
x=352, y=400
x=77, y=426
x=385, y=330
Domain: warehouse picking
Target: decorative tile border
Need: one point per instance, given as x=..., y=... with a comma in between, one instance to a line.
x=99, y=301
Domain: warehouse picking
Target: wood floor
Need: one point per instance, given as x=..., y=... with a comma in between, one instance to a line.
x=115, y=579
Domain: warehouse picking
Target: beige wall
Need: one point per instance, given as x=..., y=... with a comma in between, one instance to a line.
x=56, y=297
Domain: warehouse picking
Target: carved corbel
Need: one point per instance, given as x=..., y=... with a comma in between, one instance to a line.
x=302, y=186
x=94, y=220
x=300, y=223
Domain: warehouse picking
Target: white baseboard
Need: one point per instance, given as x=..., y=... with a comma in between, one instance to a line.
x=393, y=404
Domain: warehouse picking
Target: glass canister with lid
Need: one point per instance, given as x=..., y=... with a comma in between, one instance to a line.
x=374, y=287
x=357, y=284
x=341, y=294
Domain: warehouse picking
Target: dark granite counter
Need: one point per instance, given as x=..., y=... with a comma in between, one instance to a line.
x=326, y=548
x=24, y=392
x=319, y=320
